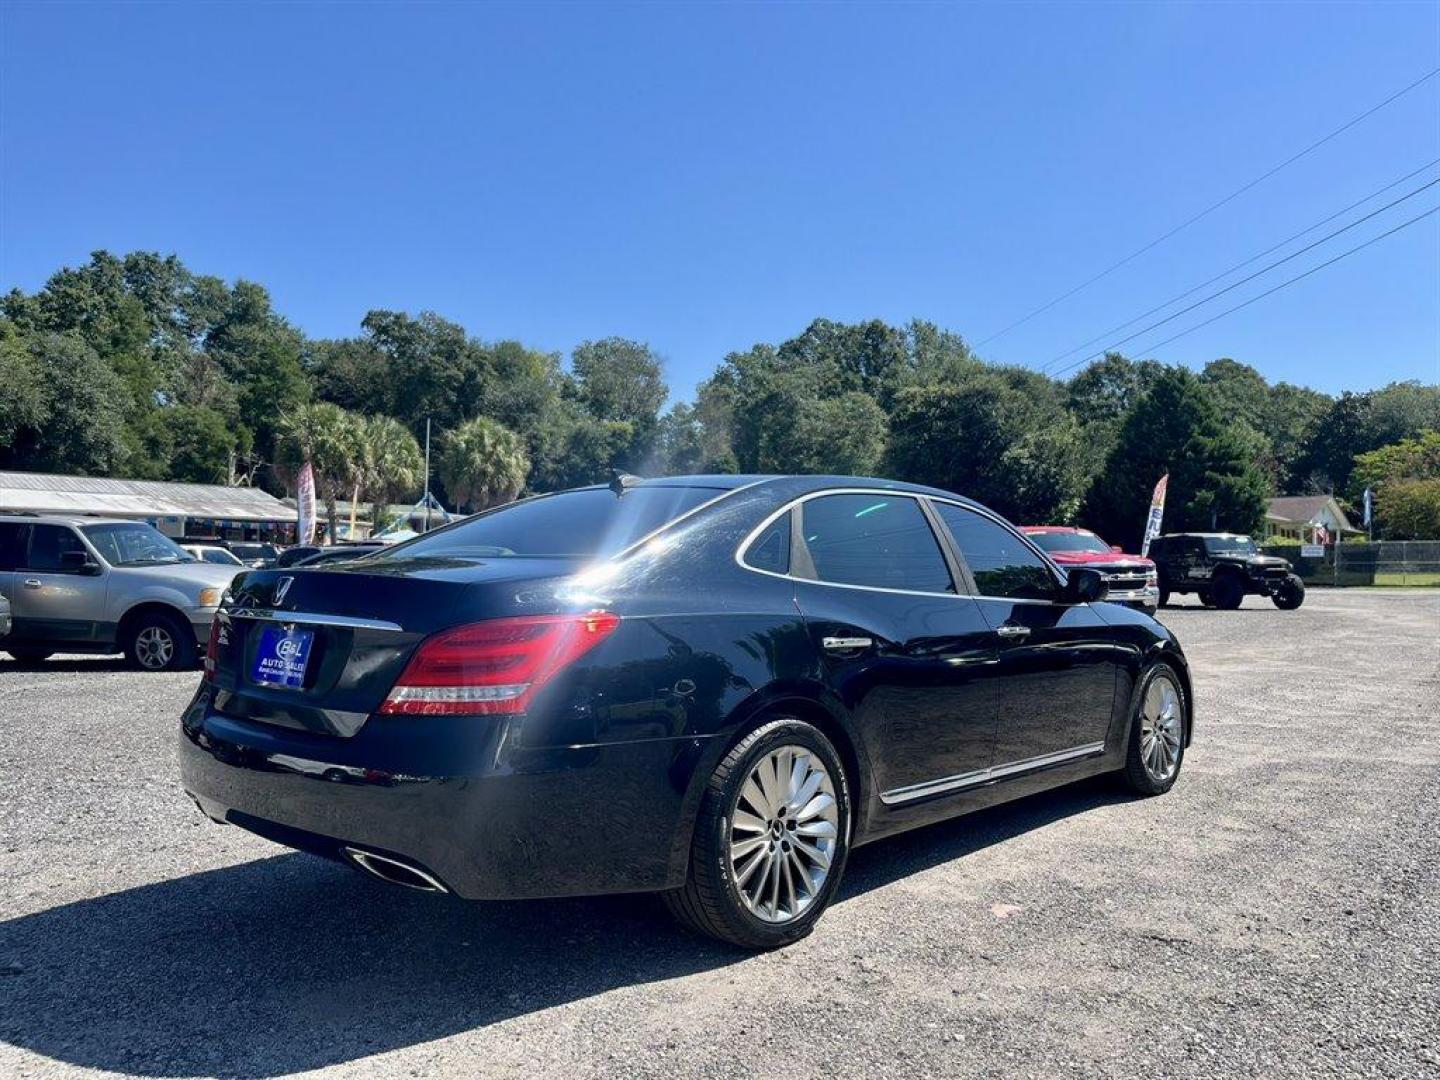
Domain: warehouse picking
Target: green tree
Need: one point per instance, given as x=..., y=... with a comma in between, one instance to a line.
x=432, y=369
x=201, y=444
x=391, y=465
x=83, y=429
x=1409, y=510
x=24, y=398
x=1176, y=428
x=483, y=464
x=843, y=435
x=329, y=438
x=618, y=379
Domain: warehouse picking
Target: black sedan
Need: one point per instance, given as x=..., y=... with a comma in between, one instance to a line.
x=710, y=687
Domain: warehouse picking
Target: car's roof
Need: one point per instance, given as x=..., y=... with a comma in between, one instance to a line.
x=64, y=519
x=795, y=483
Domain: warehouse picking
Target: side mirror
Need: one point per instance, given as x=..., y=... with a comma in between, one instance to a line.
x=1117, y=549
x=79, y=562
x=1084, y=586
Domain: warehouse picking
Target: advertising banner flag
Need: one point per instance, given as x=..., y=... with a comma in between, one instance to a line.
x=1369, y=506
x=305, y=504
x=1157, y=511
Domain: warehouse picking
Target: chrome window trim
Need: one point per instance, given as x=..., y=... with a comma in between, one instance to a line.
x=312, y=618
x=892, y=492
x=918, y=496
x=945, y=784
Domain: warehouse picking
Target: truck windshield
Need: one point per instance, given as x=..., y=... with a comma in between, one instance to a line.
x=1069, y=542
x=583, y=524
x=1230, y=545
x=134, y=544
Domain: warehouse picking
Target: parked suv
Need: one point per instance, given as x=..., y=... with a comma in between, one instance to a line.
x=88, y=585
x=1222, y=569
x=1131, y=578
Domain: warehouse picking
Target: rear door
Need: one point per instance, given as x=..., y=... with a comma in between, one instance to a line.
x=912, y=659
x=1058, y=661
x=53, y=601
x=12, y=548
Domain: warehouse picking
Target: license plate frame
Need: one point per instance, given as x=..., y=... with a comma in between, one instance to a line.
x=282, y=657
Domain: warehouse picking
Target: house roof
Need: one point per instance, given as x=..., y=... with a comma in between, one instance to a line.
x=1304, y=509
x=49, y=493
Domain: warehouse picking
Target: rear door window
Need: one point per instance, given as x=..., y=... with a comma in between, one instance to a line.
x=12, y=545
x=879, y=541
x=48, y=545
x=1001, y=563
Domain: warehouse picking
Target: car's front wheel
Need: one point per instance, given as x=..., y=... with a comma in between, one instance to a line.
x=160, y=642
x=1157, y=733
x=1291, y=593
x=1228, y=591
x=770, y=840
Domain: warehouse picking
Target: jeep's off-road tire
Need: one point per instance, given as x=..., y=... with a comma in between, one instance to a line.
x=771, y=839
x=157, y=641
x=29, y=656
x=1158, y=729
x=1228, y=591
x=1291, y=593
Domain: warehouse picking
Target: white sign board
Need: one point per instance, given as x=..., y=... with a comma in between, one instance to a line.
x=1312, y=551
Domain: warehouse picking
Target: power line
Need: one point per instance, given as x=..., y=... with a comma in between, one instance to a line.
x=1249, y=277
x=1212, y=207
x=1283, y=284
x=1238, y=266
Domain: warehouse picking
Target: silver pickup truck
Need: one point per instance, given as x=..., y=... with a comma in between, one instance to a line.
x=91, y=585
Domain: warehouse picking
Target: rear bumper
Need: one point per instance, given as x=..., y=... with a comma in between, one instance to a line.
x=499, y=822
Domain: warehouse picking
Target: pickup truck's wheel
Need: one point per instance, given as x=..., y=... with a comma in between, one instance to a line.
x=160, y=642
x=29, y=656
x=1291, y=594
x=1228, y=591
x=770, y=840
x=1157, y=733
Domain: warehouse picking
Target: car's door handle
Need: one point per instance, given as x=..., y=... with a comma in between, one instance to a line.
x=846, y=644
x=32, y=583
x=1011, y=631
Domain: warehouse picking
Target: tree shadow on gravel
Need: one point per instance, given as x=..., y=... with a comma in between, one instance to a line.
x=292, y=963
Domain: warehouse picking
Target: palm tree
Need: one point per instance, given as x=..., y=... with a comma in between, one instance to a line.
x=329, y=438
x=391, y=464
x=483, y=463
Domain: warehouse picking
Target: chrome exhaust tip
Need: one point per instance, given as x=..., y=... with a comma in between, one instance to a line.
x=394, y=871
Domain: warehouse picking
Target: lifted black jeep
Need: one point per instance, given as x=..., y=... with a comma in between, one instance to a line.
x=1221, y=568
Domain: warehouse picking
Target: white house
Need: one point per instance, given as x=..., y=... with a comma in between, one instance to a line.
x=1296, y=517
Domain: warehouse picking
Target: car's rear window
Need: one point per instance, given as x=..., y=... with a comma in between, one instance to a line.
x=589, y=523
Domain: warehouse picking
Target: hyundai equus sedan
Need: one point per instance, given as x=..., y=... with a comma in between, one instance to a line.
x=710, y=687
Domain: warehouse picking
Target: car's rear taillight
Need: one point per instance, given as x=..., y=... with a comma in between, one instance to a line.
x=496, y=666
x=212, y=650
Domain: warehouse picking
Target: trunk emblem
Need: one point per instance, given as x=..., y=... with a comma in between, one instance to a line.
x=282, y=587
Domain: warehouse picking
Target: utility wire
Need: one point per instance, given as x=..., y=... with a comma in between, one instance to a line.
x=1283, y=284
x=1249, y=277
x=1238, y=266
x=1212, y=207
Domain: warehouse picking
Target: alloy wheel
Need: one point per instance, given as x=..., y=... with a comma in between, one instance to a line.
x=1161, y=728
x=783, y=833
x=154, y=647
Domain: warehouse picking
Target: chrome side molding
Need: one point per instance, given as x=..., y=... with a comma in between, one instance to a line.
x=947, y=784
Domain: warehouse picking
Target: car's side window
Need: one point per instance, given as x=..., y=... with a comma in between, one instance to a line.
x=771, y=549
x=12, y=545
x=1001, y=564
x=880, y=541
x=48, y=546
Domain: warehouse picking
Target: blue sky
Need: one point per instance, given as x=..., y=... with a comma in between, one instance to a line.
x=706, y=177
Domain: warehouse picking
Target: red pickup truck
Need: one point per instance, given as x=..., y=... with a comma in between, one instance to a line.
x=1131, y=578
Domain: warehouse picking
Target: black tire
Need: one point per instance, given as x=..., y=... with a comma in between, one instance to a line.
x=1228, y=591
x=1291, y=594
x=143, y=640
x=1205, y=599
x=29, y=656
x=1135, y=777
x=710, y=901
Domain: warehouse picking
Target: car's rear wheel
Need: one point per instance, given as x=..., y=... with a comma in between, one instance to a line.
x=1228, y=592
x=1157, y=733
x=29, y=656
x=159, y=642
x=770, y=840
x=1291, y=594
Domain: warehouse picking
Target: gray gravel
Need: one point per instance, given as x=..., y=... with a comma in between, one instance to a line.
x=1277, y=914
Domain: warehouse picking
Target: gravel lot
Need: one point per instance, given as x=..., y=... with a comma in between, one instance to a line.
x=1278, y=914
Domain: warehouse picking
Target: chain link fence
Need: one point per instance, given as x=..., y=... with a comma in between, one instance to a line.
x=1385, y=562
